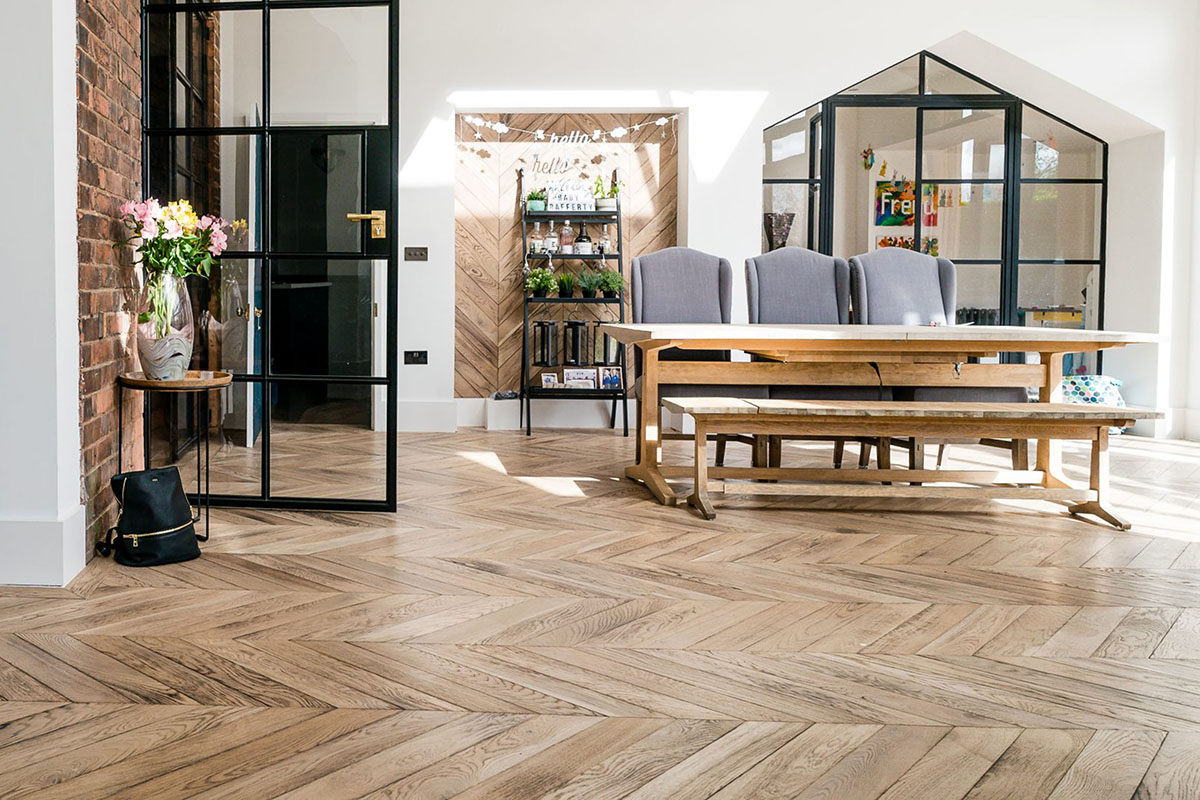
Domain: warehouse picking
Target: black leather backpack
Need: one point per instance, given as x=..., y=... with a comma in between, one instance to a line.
x=155, y=523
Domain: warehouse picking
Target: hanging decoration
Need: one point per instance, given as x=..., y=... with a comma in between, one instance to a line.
x=883, y=169
x=596, y=135
x=868, y=158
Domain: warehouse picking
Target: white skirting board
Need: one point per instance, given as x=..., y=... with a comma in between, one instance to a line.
x=505, y=415
x=45, y=552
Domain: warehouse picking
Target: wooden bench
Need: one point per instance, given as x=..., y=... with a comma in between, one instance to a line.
x=856, y=419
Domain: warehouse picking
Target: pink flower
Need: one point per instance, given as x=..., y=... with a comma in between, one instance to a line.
x=206, y=222
x=127, y=209
x=218, y=242
x=174, y=230
x=149, y=228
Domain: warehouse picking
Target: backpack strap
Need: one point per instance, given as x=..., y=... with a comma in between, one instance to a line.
x=104, y=546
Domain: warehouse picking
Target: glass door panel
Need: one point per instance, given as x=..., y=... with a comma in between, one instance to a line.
x=874, y=207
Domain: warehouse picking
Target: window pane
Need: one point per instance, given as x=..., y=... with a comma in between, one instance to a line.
x=903, y=78
x=328, y=440
x=329, y=66
x=229, y=316
x=1050, y=149
x=785, y=216
x=209, y=92
x=962, y=220
x=964, y=143
x=940, y=79
x=877, y=201
x=235, y=437
x=219, y=175
x=317, y=180
x=324, y=318
x=786, y=147
x=1060, y=221
x=1056, y=295
x=978, y=294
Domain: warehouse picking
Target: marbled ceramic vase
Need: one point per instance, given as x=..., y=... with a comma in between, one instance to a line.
x=165, y=327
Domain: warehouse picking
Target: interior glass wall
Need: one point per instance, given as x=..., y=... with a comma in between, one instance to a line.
x=283, y=115
x=928, y=157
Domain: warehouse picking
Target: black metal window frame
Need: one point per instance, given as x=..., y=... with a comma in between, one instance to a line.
x=265, y=255
x=821, y=177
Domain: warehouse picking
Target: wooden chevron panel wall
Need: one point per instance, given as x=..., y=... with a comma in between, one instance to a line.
x=487, y=347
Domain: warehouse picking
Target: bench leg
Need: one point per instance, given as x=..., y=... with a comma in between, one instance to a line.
x=1020, y=454
x=761, y=447
x=1099, y=484
x=885, y=455
x=699, y=497
x=839, y=452
x=864, y=454
x=775, y=451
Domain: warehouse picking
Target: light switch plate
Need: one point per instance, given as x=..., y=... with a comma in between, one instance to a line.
x=416, y=254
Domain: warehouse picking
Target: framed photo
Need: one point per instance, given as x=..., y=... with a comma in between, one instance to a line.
x=610, y=378
x=549, y=380
x=580, y=377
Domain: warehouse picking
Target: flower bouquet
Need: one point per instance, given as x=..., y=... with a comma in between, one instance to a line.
x=170, y=243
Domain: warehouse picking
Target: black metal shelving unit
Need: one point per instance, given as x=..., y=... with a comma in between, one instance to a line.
x=529, y=260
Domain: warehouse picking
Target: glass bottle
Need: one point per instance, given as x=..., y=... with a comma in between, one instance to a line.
x=550, y=242
x=566, y=238
x=605, y=243
x=583, y=242
x=536, y=240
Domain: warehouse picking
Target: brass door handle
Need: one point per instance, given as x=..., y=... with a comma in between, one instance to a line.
x=378, y=220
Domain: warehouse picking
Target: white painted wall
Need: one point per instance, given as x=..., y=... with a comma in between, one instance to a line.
x=41, y=517
x=1123, y=71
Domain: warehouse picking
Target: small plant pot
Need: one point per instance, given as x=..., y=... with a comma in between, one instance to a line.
x=567, y=294
x=609, y=294
x=588, y=293
x=537, y=292
x=535, y=205
x=606, y=204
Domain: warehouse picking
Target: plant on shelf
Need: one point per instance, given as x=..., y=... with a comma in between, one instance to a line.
x=589, y=282
x=566, y=285
x=536, y=200
x=170, y=243
x=611, y=282
x=606, y=199
x=539, y=281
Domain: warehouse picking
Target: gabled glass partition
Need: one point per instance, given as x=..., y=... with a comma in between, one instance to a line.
x=926, y=156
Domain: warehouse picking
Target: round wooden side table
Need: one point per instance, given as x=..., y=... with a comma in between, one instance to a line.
x=196, y=381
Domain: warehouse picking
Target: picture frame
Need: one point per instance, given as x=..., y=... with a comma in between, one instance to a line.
x=580, y=377
x=549, y=380
x=609, y=378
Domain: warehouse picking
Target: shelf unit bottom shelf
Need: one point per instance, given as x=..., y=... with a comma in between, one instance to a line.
x=580, y=394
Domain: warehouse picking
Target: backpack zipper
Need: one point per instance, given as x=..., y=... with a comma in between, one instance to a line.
x=136, y=536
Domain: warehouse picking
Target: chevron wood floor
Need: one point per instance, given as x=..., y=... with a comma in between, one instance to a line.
x=529, y=624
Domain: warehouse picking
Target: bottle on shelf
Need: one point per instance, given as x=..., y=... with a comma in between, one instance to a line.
x=536, y=241
x=583, y=242
x=605, y=245
x=550, y=241
x=566, y=238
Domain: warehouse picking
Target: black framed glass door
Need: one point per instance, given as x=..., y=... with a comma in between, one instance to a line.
x=282, y=114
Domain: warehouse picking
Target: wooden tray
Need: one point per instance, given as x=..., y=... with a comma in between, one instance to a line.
x=195, y=381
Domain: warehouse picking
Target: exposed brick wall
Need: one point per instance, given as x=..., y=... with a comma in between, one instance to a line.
x=109, y=90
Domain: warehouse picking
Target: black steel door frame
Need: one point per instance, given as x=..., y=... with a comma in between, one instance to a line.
x=265, y=254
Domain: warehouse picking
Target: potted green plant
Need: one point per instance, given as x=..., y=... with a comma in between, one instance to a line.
x=536, y=200
x=611, y=282
x=606, y=199
x=539, y=281
x=589, y=282
x=566, y=285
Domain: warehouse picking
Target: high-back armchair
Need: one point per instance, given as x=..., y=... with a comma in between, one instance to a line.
x=793, y=285
x=895, y=286
x=680, y=284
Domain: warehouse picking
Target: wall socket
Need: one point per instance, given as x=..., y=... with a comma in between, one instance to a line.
x=416, y=254
x=416, y=356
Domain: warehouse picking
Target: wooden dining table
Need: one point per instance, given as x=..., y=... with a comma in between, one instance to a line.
x=851, y=355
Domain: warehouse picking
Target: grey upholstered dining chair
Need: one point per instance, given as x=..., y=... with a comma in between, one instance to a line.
x=793, y=285
x=896, y=286
x=680, y=284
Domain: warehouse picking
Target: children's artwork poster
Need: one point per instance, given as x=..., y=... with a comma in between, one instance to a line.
x=895, y=204
x=929, y=205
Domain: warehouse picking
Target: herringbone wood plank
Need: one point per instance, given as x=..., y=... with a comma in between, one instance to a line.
x=529, y=624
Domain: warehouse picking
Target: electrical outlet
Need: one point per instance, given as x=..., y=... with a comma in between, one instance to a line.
x=416, y=254
x=416, y=356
